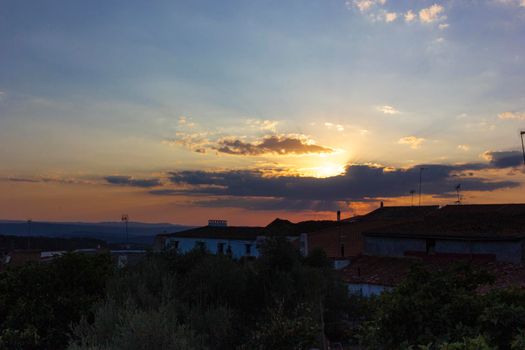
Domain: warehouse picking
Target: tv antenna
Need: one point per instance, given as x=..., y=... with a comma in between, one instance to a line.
x=125, y=219
x=458, y=188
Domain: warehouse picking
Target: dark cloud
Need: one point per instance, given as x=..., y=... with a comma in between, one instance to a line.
x=130, y=181
x=504, y=159
x=271, y=144
x=270, y=204
x=358, y=182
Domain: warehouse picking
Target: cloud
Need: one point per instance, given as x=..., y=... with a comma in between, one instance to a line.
x=443, y=26
x=519, y=3
x=130, y=181
x=504, y=159
x=185, y=121
x=431, y=14
x=49, y=179
x=282, y=145
x=264, y=125
x=512, y=115
x=388, y=109
x=413, y=141
x=390, y=17
x=360, y=181
x=338, y=127
x=362, y=5
x=410, y=16
x=197, y=142
x=463, y=148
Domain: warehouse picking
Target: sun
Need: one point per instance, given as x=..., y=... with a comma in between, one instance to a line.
x=328, y=170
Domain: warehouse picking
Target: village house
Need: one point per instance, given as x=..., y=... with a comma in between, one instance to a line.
x=238, y=241
x=493, y=231
x=344, y=241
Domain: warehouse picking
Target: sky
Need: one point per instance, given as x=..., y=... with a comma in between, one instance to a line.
x=184, y=111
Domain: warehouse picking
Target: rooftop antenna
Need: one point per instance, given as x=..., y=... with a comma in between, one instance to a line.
x=522, y=145
x=458, y=188
x=125, y=219
x=412, y=195
x=420, y=177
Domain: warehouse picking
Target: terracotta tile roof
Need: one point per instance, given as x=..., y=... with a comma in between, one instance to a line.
x=399, y=212
x=287, y=228
x=491, y=221
x=387, y=271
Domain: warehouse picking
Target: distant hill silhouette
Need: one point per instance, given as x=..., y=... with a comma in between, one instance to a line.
x=110, y=232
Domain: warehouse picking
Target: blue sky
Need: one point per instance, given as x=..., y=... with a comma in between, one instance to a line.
x=141, y=90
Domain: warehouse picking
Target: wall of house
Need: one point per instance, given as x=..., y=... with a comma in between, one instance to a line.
x=389, y=246
x=366, y=289
x=507, y=251
x=238, y=247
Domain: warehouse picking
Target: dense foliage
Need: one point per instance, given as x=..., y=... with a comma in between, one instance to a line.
x=39, y=302
x=445, y=310
x=202, y=301
x=199, y=301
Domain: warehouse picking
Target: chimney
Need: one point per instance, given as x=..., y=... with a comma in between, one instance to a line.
x=382, y=204
x=339, y=215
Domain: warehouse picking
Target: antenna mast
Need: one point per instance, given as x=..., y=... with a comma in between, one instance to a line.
x=125, y=219
x=458, y=188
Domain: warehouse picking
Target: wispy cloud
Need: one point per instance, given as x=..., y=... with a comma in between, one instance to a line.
x=130, y=181
x=409, y=16
x=338, y=127
x=388, y=109
x=264, y=125
x=432, y=13
x=390, y=17
x=464, y=148
x=512, y=115
x=413, y=141
x=197, y=142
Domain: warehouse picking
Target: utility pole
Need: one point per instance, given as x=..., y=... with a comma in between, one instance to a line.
x=412, y=199
x=125, y=219
x=420, y=177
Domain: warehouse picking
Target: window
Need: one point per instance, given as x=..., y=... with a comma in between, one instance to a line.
x=431, y=246
x=174, y=244
x=220, y=248
x=248, y=249
x=200, y=245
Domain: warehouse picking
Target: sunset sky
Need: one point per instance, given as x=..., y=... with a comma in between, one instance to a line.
x=184, y=111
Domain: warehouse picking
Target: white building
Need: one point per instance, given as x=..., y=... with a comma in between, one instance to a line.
x=218, y=238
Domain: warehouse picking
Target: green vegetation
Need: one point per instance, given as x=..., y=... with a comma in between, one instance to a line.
x=445, y=310
x=39, y=302
x=199, y=301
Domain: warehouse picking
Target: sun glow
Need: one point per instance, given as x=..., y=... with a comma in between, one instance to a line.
x=327, y=170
